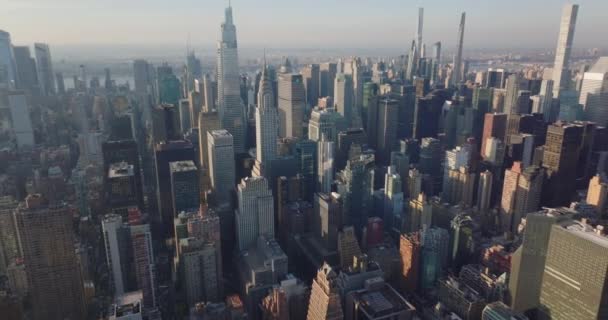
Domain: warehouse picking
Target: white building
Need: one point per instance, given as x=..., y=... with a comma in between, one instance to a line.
x=255, y=215
x=221, y=162
x=594, y=92
x=266, y=125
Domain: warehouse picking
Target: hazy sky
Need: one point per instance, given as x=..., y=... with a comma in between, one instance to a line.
x=300, y=23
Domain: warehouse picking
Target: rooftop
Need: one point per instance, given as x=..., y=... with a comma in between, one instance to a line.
x=379, y=300
x=120, y=170
x=127, y=304
x=600, y=66
x=182, y=166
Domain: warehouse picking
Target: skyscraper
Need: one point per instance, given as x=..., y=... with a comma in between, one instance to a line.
x=231, y=110
x=207, y=121
x=8, y=69
x=594, y=92
x=255, y=216
x=419, y=31
x=561, y=75
x=528, y=261
x=221, y=163
x=143, y=261
x=410, y=250
x=185, y=191
x=325, y=300
x=292, y=102
x=494, y=126
x=344, y=97
x=457, y=72
x=484, y=191
x=521, y=194
x=266, y=126
x=26, y=67
x=560, y=157
x=312, y=78
x=568, y=292
x=47, y=239
x=388, y=115
x=44, y=65
x=328, y=75
x=164, y=155
x=325, y=165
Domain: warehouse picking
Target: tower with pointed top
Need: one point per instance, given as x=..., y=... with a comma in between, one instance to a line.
x=457, y=72
x=230, y=106
x=266, y=125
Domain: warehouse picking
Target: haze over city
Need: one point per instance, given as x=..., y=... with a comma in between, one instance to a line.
x=303, y=160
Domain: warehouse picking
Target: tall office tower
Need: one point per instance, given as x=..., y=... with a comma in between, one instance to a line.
x=412, y=62
x=312, y=78
x=325, y=300
x=419, y=31
x=358, y=74
x=594, y=92
x=199, y=261
x=386, y=132
x=305, y=154
x=221, y=164
x=460, y=186
x=355, y=186
x=597, y=194
x=324, y=122
x=207, y=121
x=496, y=78
x=420, y=213
x=435, y=247
x=430, y=161
x=344, y=98
x=26, y=69
x=21, y=121
x=561, y=74
x=230, y=106
x=410, y=249
x=560, y=157
x=46, y=238
x=184, y=116
x=484, y=191
x=528, y=261
x=143, y=76
x=255, y=216
x=327, y=219
x=44, y=65
x=436, y=63
x=494, y=126
x=9, y=246
x=371, y=91
x=426, y=112
x=292, y=103
x=328, y=76
x=325, y=165
x=164, y=155
x=393, y=199
x=414, y=183
x=185, y=191
x=454, y=160
x=8, y=69
x=165, y=123
x=208, y=93
x=521, y=194
x=117, y=247
x=568, y=292
x=143, y=260
x=266, y=126
x=512, y=95
x=457, y=71
x=348, y=247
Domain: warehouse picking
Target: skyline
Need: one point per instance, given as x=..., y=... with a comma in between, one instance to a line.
x=288, y=24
